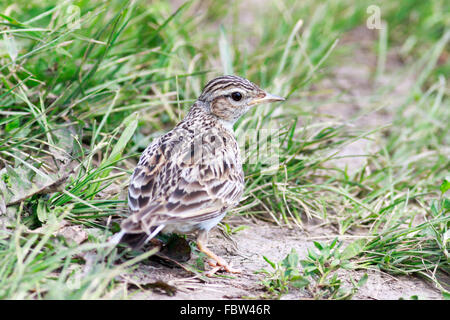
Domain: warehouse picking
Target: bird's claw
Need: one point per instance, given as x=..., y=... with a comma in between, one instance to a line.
x=218, y=266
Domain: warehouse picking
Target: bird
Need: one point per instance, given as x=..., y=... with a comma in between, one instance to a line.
x=188, y=178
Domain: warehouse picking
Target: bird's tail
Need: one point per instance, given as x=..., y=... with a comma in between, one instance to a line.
x=116, y=239
x=135, y=240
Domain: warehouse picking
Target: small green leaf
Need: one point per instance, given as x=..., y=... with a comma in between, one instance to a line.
x=446, y=204
x=353, y=249
x=363, y=280
x=12, y=125
x=333, y=243
x=239, y=228
x=41, y=211
x=312, y=255
x=310, y=269
x=272, y=264
x=325, y=254
x=335, y=263
x=347, y=265
x=434, y=209
x=299, y=282
x=226, y=228
x=291, y=260
x=445, y=186
x=318, y=245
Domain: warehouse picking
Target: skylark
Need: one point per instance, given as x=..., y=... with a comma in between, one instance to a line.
x=188, y=178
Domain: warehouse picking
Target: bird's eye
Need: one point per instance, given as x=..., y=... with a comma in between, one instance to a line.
x=236, y=96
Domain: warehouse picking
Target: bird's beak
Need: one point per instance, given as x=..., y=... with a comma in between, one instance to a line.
x=266, y=99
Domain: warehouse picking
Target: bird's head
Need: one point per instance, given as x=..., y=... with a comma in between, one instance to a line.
x=229, y=97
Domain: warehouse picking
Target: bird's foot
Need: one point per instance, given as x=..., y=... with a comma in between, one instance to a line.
x=217, y=262
x=221, y=265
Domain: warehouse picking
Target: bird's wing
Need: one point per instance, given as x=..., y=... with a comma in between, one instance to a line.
x=193, y=179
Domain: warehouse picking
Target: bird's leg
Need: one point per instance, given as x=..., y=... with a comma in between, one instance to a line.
x=202, y=240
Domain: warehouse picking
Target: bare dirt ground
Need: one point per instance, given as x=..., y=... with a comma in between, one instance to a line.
x=246, y=252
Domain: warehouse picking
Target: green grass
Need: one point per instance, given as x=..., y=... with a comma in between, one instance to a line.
x=78, y=105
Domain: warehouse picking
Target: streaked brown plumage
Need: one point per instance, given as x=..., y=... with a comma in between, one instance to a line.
x=188, y=178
